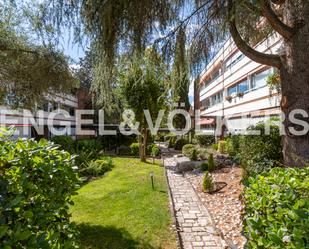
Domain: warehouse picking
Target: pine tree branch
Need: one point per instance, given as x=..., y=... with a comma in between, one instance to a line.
x=262, y=58
x=283, y=29
x=17, y=50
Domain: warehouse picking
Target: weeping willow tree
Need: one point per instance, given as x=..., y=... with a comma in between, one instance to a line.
x=180, y=81
x=141, y=82
x=28, y=70
x=129, y=25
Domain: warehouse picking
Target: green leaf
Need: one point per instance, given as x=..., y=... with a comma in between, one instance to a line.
x=3, y=230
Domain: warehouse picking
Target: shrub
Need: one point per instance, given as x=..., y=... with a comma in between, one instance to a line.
x=277, y=209
x=211, y=163
x=134, y=149
x=232, y=145
x=83, y=157
x=256, y=148
x=155, y=151
x=215, y=147
x=98, y=167
x=90, y=145
x=222, y=147
x=204, y=167
x=65, y=142
x=205, y=140
x=202, y=153
x=188, y=149
x=86, y=151
x=172, y=141
x=180, y=142
x=36, y=184
x=208, y=184
x=257, y=166
x=193, y=156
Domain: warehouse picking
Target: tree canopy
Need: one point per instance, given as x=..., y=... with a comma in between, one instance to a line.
x=28, y=69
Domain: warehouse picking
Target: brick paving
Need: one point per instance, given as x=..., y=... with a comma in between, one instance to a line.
x=194, y=224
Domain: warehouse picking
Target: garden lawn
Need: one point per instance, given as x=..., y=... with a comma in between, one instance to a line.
x=120, y=210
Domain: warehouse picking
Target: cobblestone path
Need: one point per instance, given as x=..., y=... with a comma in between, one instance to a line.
x=193, y=221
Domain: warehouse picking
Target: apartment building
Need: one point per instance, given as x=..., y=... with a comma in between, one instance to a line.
x=25, y=122
x=235, y=88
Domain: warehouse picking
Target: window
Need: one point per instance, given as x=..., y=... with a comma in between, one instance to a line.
x=216, y=98
x=213, y=76
x=233, y=60
x=72, y=111
x=212, y=100
x=243, y=86
x=232, y=90
x=259, y=79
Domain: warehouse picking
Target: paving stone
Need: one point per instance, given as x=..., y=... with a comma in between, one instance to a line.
x=195, y=225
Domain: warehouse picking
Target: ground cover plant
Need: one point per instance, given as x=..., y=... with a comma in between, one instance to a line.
x=277, y=209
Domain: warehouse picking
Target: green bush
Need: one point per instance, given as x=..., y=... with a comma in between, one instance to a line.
x=204, y=167
x=205, y=140
x=98, y=167
x=180, y=142
x=277, y=209
x=232, y=145
x=66, y=143
x=215, y=147
x=202, y=153
x=257, y=166
x=188, y=149
x=208, y=184
x=255, y=149
x=193, y=156
x=172, y=141
x=222, y=147
x=134, y=149
x=155, y=151
x=90, y=145
x=36, y=184
x=211, y=163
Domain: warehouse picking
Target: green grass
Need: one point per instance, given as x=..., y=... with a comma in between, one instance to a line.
x=121, y=211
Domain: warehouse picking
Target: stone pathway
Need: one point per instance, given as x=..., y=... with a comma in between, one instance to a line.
x=194, y=224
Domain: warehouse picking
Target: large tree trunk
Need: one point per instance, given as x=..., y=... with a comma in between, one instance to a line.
x=295, y=86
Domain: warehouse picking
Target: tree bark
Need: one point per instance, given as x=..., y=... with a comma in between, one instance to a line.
x=295, y=86
x=143, y=144
x=294, y=72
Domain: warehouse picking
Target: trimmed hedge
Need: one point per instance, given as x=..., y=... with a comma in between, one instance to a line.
x=277, y=209
x=36, y=184
x=259, y=152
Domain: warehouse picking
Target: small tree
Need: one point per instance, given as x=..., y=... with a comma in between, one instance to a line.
x=211, y=163
x=142, y=87
x=208, y=184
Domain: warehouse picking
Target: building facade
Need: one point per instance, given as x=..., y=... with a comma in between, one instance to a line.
x=235, y=88
x=27, y=122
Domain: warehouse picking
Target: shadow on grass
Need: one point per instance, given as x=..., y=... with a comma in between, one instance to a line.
x=109, y=237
